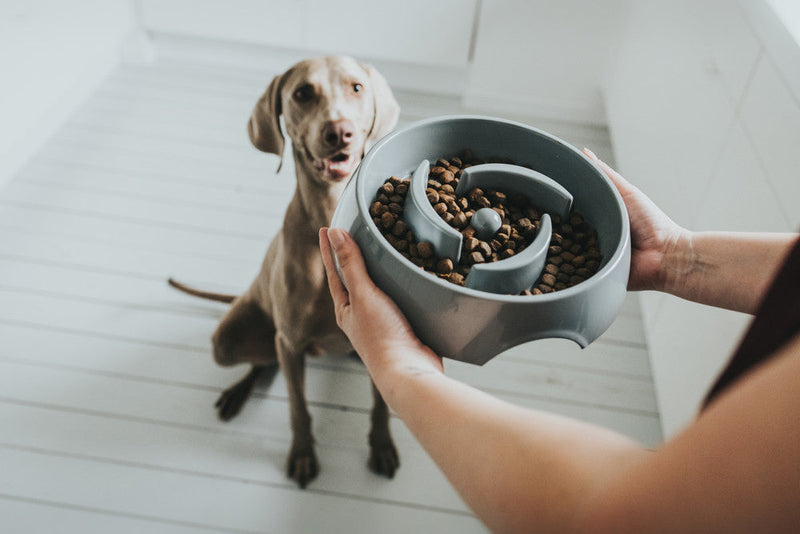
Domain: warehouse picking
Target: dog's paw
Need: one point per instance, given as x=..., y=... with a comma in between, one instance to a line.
x=302, y=466
x=231, y=400
x=383, y=459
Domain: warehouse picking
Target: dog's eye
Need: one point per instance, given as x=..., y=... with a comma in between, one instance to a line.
x=304, y=93
x=357, y=87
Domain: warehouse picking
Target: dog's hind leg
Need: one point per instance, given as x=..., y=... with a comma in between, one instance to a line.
x=245, y=335
x=383, y=458
x=302, y=464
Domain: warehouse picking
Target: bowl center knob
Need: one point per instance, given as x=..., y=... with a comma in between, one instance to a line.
x=486, y=223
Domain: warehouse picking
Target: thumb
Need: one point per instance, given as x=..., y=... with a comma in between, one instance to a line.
x=351, y=262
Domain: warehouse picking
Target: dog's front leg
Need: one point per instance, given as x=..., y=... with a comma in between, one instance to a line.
x=383, y=458
x=302, y=465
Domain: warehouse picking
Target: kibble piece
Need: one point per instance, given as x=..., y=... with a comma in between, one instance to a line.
x=433, y=196
x=387, y=189
x=485, y=249
x=444, y=266
x=440, y=208
x=447, y=176
x=470, y=244
x=425, y=249
x=401, y=245
x=474, y=194
x=476, y=257
x=460, y=220
x=399, y=228
x=506, y=253
x=456, y=278
x=395, y=207
x=377, y=209
x=568, y=268
x=549, y=279
x=437, y=170
x=387, y=220
x=551, y=268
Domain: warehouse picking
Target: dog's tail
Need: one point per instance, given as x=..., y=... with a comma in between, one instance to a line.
x=219, y=297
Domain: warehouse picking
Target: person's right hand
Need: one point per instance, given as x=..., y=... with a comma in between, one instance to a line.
x=654, y=236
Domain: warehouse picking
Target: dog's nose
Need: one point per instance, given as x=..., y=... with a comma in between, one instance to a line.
x=338, y=133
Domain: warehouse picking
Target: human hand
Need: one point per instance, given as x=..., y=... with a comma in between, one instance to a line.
x=376, y=327
x=655, y=238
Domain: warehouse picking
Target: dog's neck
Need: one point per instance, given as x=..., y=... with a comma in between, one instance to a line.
x=316, y=199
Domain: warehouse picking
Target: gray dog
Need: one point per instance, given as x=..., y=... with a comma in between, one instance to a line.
x=334, y=109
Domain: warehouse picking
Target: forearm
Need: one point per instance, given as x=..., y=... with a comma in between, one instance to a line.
x=725, y=269
x=518, y=470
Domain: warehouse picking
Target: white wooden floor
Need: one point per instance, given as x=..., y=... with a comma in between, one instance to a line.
x=107, y=385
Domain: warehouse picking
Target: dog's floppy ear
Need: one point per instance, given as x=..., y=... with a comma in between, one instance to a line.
x=264, y=125
x=386, y=110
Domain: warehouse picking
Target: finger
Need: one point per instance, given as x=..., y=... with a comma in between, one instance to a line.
x=351, y=262
x=337, y=289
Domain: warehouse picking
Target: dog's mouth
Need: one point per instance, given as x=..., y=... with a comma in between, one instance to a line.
x=338, y=166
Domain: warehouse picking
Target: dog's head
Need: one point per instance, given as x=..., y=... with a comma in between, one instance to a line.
x=334, y=109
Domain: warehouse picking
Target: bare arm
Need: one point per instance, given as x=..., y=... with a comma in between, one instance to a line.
x=526, y=471
x=725, y=269
x=729, y=270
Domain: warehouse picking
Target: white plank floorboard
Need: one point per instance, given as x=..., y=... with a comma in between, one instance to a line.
x=107, y=383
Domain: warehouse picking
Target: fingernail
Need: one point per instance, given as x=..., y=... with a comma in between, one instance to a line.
x=589, y=153
x=336, y=237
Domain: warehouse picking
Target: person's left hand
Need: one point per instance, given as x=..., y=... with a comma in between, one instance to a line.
x=376, y=327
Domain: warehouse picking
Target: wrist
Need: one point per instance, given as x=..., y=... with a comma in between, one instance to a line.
x=396, y=370
x=679, y=262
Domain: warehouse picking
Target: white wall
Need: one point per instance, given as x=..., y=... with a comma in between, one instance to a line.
x=703, y=122
x=413, y=31
x=546, y=58
x=525, y=57
x=52, y=55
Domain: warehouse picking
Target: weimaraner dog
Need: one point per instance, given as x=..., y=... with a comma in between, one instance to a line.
x=334, y=109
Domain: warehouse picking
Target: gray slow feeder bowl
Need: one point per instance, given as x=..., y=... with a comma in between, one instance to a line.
x=474, y=325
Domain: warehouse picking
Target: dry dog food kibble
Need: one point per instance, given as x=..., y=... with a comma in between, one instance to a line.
x=573, y=256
